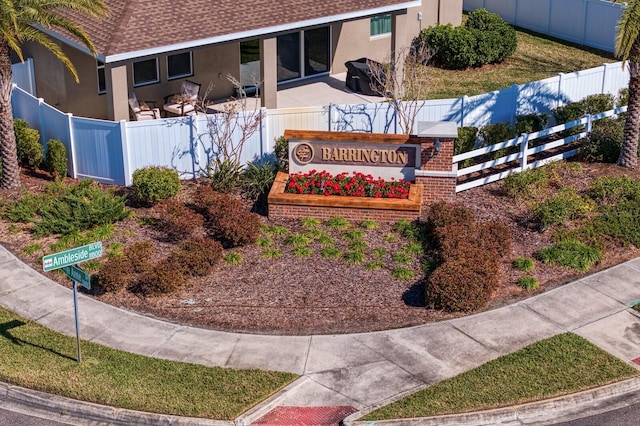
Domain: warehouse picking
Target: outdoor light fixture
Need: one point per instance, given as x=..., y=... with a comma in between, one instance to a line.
x=436, y=147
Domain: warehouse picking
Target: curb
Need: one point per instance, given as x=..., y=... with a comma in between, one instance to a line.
x=550, y=411
x=71, y=411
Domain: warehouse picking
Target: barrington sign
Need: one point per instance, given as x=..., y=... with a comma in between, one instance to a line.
x=387, y=156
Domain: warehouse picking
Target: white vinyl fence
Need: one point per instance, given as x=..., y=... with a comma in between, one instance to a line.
x=499, y=168
x=588, y=22
x=23, y=75
x=111, y=151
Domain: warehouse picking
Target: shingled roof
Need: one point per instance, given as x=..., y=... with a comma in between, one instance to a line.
x=138, y=28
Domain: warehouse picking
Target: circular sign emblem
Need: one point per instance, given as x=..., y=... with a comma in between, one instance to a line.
x=303, y=152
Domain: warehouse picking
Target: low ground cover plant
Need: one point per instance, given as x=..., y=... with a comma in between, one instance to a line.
x=357, y=185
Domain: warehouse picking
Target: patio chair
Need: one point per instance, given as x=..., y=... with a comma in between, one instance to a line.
x=141, y=110
x=185, y=102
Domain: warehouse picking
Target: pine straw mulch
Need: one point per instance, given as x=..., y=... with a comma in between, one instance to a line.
x=313, y=295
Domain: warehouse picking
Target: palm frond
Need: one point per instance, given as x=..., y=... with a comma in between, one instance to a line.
x=628, y=31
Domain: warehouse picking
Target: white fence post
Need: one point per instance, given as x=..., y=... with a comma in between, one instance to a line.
x=72, y=146
x=524, y=146
x=41, y=123
x=589, y=124
x=126, y=165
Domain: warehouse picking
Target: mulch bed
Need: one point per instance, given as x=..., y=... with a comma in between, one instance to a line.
x=314, y=295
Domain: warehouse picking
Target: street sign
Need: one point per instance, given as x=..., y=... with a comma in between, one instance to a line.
x=78, y=275
x=72, y=256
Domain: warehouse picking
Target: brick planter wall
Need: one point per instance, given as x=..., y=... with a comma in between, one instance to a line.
x=295, y=206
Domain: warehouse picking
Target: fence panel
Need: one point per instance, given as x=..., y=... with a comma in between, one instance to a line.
x=601, y=21
x=561, y=26
x=616, y=77
x=372, y=118
x=167, y=142
x=310, y=118
x=589, y=22
x=493, y=107
x=97, y=147
x=533, y=14
x=23, y=76
x=578, y=85
x=26, y=107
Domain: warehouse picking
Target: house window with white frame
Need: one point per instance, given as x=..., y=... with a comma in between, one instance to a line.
x=380, y=25
x=102, y=82
x=145, y=72
x=179, y=66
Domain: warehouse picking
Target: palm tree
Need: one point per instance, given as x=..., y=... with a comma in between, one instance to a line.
x=628, y=49
x=18, y=22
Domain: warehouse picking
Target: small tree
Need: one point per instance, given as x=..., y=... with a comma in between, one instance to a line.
x=402, y=80
x=228, y=131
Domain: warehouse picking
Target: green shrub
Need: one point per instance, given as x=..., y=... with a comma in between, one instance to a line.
x=496, y=39
x=414, y=231
x=196, y=256
x=297, y=240
x=484, y=38
x=80, y=207
x=256, y=179
x=152, y=184
x=24, y=209
x=620, y=221
x=225, y=175
x=310, y=222
x=355, y=257
x=177, y=220
x=465, y=142
x=55, y=161
x=570, y=254
x=524, y=264
x=369, y=224
x=530, y=123
x=302, y=252
x=611, y=190
x=281, y=151
x=528, y=183
x=337, y=223
x=28, y=146
x=603, y=143
x=565, y=206
x=528, y=283
x=330, y=252
x=271, y=253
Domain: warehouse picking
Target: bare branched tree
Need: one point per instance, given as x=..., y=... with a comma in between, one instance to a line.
x=402, y=80
x=233, y=124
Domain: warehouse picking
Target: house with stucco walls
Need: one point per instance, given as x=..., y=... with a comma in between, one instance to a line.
x=150, y=48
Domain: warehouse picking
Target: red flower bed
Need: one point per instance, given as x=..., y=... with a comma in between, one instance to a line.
x=358, y=185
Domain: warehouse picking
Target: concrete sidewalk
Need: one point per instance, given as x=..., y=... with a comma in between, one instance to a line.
x=364, y=371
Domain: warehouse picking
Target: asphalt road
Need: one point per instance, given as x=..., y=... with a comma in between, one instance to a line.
x=625, y=416
x=11, y=418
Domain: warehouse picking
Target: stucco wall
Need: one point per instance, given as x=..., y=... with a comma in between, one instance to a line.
x=351, y=40
x=56, y=85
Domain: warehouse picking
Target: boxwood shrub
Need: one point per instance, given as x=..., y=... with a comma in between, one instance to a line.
x=152, y=184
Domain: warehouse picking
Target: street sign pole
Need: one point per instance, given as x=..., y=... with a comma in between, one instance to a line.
x=75, y=309
x=68, y=260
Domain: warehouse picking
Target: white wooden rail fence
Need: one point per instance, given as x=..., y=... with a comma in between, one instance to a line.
x=523, y=141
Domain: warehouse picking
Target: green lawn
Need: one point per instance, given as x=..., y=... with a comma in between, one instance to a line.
x=556, y=366
x=38, y=358
x=537, y=57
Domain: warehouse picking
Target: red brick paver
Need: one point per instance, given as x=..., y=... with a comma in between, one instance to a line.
x=305, y=416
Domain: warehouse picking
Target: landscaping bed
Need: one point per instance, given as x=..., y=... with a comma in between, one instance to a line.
x=303, y=293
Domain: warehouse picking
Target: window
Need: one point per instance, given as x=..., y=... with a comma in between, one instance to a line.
x=179, y=66
x=145, y=72
x=250, y=63
x=380, y=25
x=102, y=82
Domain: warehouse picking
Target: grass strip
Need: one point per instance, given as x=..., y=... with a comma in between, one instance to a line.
x=38, y=358
x=537, y=57
x=560, y=365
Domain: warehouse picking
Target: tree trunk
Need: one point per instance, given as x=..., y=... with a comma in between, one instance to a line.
x=629, y=151
x=10, y=169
